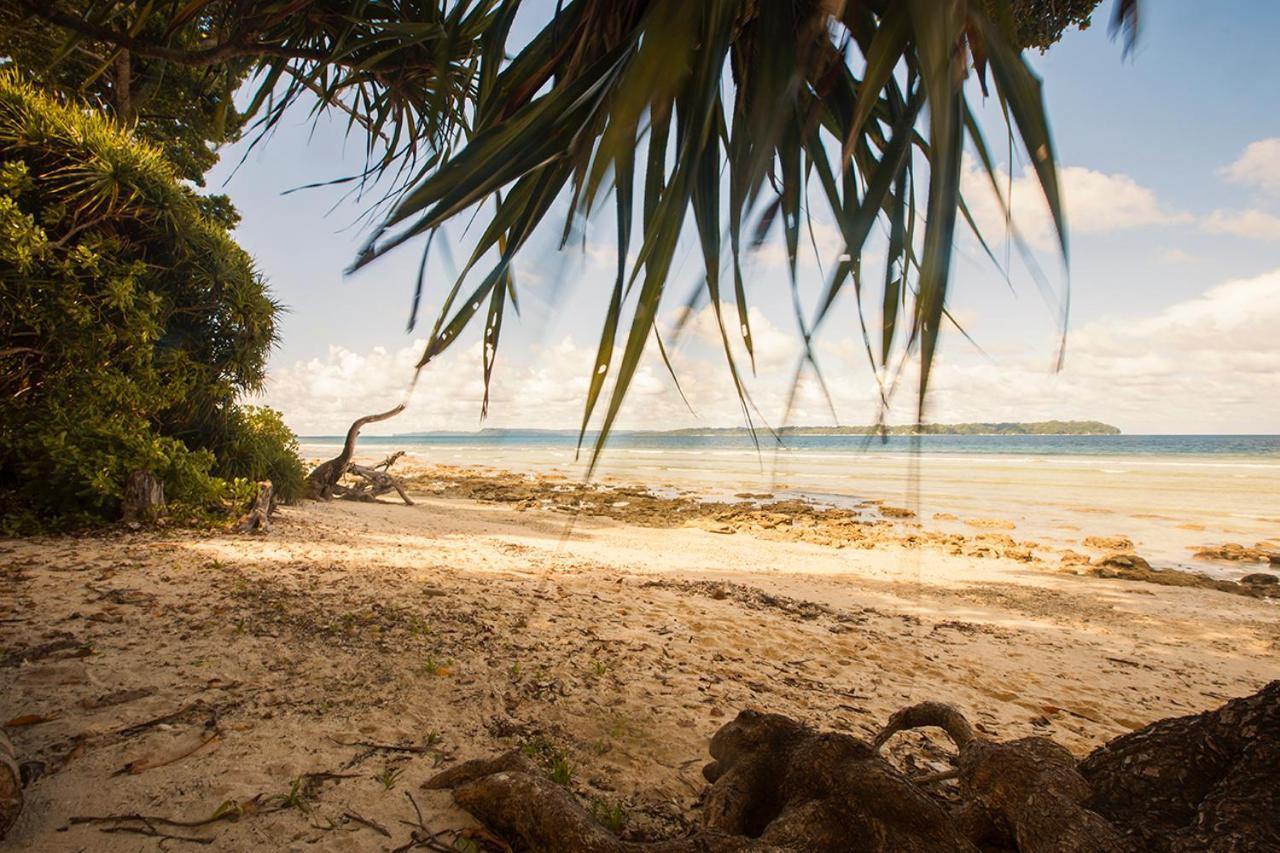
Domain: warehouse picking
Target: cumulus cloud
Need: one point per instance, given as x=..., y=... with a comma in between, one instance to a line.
x=1095, y=202
x=1210, y=363
x=1258, y=165
x=1206, y=364
x=1255, y=224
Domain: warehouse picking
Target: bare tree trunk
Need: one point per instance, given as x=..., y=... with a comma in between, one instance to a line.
x=143, y=497
x=321, y=481
x=124, y=87
x=258, y=518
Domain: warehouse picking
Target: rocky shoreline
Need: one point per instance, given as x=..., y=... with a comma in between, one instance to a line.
x=870, y=524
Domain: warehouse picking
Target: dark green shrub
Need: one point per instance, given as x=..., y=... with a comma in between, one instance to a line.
x=130, y=324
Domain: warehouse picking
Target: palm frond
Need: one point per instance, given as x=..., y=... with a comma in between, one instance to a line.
x=853, y=111
x=763, y=97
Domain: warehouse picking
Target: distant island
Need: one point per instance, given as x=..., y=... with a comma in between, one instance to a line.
x=984, y=428
x=1001, y=428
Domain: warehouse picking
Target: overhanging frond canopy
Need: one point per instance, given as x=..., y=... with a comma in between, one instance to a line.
x=723, y=117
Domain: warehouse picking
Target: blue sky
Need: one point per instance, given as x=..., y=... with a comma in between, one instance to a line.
x=1172, y=178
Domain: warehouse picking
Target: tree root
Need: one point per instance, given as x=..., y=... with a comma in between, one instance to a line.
x=1205, y=782
x=1025, y=793
x=1196, y=783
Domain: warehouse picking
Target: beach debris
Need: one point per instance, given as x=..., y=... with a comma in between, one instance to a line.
x=375, y=481
x=364, y=821
x=30, y=720
x=140, y=824
x=322, y=482
x=1203, y=782
x=64, y=643
x=118, y=697
x=170, y=749
x=10, y=784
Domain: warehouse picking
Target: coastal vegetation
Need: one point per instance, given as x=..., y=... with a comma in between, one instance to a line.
x=132, y=323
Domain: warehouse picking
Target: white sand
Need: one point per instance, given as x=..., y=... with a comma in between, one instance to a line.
x=468, y=628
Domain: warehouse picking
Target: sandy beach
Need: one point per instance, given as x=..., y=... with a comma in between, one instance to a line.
x=298, y=685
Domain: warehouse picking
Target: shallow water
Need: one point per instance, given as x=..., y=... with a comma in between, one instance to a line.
x=1169, y=494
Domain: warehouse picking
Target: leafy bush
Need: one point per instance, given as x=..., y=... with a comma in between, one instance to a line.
x=130, y=321
x=258, y=446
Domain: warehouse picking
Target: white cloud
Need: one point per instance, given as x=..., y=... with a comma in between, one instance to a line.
x=1258, y=166
x=1255, y=224
x=1206, y=364
x=1095, y=202
x=1209, y=363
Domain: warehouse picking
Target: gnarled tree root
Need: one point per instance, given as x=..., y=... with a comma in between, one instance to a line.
x=1209, y=781
x=1205, y=783
x=1025, y=793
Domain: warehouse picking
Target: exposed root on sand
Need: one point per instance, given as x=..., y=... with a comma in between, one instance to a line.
x=1197, y=782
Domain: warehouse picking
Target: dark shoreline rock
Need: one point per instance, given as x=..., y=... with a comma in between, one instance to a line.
x=1131, y=567
x=1236, y=553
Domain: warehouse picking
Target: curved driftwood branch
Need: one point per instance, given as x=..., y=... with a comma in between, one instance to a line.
x=322, y=481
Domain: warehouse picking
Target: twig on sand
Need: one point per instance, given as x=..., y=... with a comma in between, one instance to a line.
x=126, y=823
x=386, y=747
x=139, y=728
x=376, y=827
x=229, y=810
x=152, y=832
x=421, y=837
x=370, y=748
